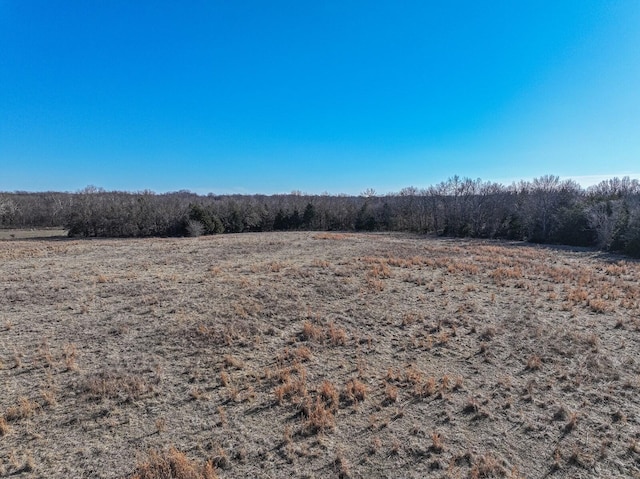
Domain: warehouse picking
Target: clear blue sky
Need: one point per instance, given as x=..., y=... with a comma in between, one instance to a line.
x=337, y=96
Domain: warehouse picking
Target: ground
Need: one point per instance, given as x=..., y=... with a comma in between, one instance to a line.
x=32, y=233
x=318, y=355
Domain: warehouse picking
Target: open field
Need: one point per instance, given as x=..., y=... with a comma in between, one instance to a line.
x=38, y=233
x=318, y=355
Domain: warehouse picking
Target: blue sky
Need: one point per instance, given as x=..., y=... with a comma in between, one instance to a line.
x=332, y=96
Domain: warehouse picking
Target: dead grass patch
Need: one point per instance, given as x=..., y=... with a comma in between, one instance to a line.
x=358, y=347
x=172, y=464
x=23, y=410
x=355, y=391
x=114, y=385
x=70, y=355
x=332, y=236
x=319, y=417
x=4, y=426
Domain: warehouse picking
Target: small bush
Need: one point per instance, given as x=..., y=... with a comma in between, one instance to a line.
x=194, y=228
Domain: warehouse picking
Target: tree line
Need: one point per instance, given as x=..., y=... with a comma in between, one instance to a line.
x=544, y=210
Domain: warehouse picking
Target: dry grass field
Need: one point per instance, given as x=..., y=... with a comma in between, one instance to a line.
x=41, y=233
x=317, y=355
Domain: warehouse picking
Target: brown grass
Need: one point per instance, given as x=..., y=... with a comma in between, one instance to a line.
x=24, y=409
x=332, y=236
x=355, y=391
x=319, y=417
x=391, y=394
x=378, y=355
x=303, y=353
x=534, y=363
x=107, y=384
x=172, y=464
x=4, y=426
x=337, y=336
x=18, y=234
x=311, y=332
x=437, y=445
x=70, y=354
x=329, y=395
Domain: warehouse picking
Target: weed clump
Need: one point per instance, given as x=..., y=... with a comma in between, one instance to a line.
x=534, y=363
x=355, y=391
x=310, y=332
x=4, y=426
x=24, y=409
x=319, y=417
x=329, y=394
x=111, y=385
x=172, y=464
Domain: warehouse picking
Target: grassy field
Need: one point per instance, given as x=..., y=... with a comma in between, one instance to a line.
x=317, y=355
x=41, y=233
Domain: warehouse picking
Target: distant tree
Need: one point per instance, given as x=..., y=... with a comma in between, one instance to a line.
x=365, y=220
x=571, y=226
x=615, y=188
x=630, y=238
x=8, y=210
x=87, y=216
x=386, y=216
x=194, y=228
x=541, y=203
x=607, y=219
x=543, y=210
x=280, y=223
x=210, y=223
x=308, y=216
x=295, y=221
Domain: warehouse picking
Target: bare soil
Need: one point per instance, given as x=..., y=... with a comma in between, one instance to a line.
x=318, y=355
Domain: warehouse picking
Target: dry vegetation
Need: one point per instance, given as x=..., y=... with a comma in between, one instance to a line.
x=31, y=233
x=317, y=355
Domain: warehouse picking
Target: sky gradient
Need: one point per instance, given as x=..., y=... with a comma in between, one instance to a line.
x=335, y=96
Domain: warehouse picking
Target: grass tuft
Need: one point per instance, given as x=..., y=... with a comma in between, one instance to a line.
x=4, y=426
x=355, y=391
x=172, y=464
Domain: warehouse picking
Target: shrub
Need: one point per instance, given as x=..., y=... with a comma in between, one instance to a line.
x=209, y=222
x=194, y=228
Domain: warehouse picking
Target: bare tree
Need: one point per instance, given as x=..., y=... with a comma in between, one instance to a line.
x=605, y=218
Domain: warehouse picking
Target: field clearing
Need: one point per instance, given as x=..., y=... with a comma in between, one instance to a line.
x=318, y=355
x=38, y=233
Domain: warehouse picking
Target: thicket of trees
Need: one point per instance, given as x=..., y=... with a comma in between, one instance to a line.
x=545, y=210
